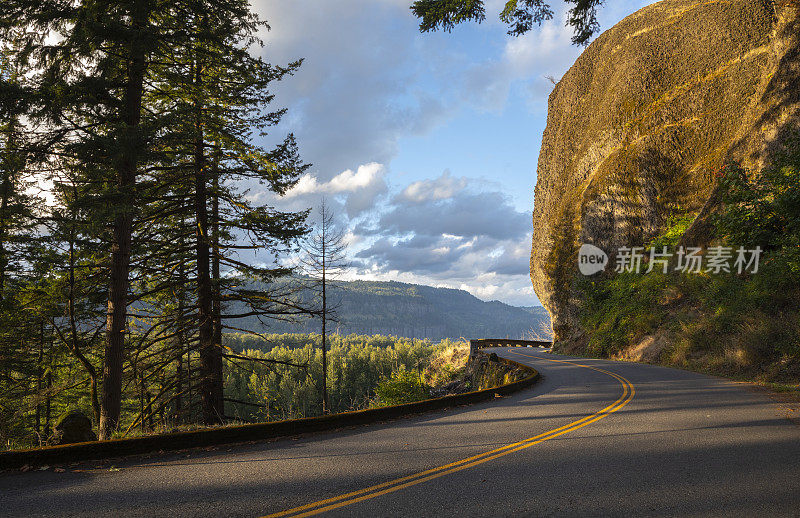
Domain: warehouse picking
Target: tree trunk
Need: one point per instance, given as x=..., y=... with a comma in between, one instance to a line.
x=39, y=372
x=11, y=169
x=117, y=312
x=47, y=405
x=75, y=342
x=324, y=347
x=179, y=334
x=6, y=192
x=216, y=307
x=180, y=347
x=210, y=355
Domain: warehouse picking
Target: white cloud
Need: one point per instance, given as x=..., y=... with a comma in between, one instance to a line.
x=467, y=214
x=470, y=238
x=369, y=176
x=350, y=193
x=482, y=292
x=430, y=190
x=525, y=60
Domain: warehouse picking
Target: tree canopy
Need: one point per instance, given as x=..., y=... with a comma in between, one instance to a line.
x=519, y=15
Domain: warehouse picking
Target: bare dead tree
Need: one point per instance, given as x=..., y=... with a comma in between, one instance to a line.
x=323, y=261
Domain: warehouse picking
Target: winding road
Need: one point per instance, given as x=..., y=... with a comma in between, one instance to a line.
x=592, y=438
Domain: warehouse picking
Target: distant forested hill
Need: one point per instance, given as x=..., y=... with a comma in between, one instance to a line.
x=415, y=311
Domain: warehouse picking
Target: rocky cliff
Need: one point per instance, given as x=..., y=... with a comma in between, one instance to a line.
x=639, y=125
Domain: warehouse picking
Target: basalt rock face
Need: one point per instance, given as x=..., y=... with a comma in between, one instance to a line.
x=638, y=127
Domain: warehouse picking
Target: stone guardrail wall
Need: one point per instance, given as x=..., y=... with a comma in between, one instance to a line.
x=250, y=432
x=482, y=343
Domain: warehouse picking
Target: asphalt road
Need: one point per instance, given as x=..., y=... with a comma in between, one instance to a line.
x=616, y=439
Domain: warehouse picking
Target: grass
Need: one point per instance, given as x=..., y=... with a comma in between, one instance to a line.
x=448, y=363
x=743, y=327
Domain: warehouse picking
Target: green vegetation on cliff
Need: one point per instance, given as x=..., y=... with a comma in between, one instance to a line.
x=742, y=325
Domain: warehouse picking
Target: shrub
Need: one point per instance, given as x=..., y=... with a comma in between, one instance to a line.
x=403, y=386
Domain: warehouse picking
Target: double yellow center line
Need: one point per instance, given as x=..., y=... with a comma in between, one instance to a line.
x=397, y=484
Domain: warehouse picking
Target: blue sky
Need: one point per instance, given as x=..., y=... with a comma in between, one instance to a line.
x=425, y=144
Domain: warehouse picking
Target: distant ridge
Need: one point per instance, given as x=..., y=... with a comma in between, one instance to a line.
x=417, y=311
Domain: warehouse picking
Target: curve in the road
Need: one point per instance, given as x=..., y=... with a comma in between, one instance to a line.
x=329, y=504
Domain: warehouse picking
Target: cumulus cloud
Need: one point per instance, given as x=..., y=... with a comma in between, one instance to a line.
x=406, y=256
x=526, y=60
x=355, y=191
x=446, y=231
x=512, y=290
x=369, y=78
x=358, y=91
x=514, y=259
x=449, y=230
x=429, y=190
x=466, y=214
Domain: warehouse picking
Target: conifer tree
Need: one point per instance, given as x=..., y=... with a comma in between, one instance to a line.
x=217, y=92
x=92, y=59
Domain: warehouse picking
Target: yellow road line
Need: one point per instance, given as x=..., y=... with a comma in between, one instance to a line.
x=361, y=495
